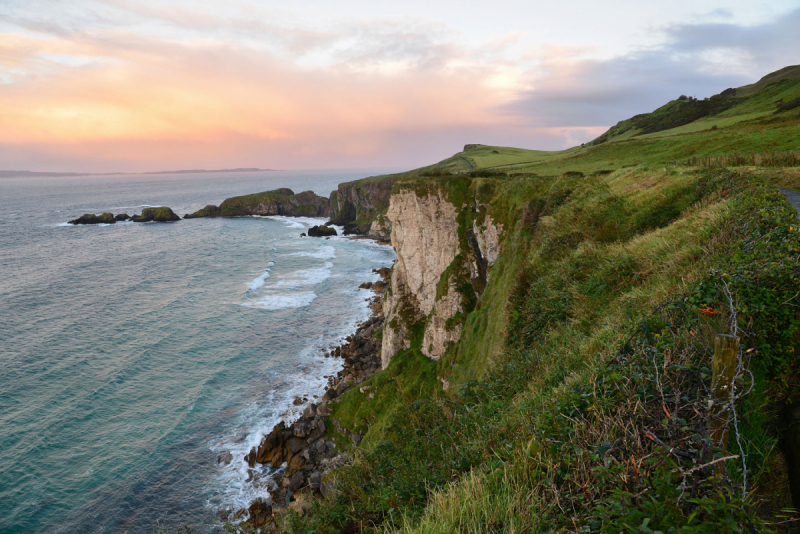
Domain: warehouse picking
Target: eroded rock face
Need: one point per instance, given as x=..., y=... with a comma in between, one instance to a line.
x=354, y=204
x=440, y=330
x=425, y=238
x=488, y=237
x=424, y=234
x=381, y=229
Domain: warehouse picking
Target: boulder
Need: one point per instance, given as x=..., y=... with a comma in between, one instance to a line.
x=225, y=458
x=297, y=481
x=278, y=498
x=310, y=411
x=260, y=513
x=321, y=231
x=122, y=217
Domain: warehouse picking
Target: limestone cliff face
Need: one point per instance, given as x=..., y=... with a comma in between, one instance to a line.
x=488, y=237
x=425, y=236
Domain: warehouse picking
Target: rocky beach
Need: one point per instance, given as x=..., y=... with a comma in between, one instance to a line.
x=300, y=454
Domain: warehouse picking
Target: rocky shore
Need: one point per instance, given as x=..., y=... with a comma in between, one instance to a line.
x=302, y=452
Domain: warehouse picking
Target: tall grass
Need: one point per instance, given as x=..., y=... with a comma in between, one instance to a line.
x=762, y=159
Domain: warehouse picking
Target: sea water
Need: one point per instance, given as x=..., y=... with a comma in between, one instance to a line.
x=134, y=355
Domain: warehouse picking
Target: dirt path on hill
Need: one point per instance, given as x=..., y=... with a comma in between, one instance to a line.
x=794, y=199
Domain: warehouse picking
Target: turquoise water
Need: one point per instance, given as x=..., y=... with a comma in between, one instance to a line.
x=133, y=355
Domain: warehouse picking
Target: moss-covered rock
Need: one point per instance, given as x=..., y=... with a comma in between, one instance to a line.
x=159, y=214
x=209, y=211
x=91, y=218
x=278, y=202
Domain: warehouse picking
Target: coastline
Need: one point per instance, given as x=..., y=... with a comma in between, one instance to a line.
x=298, y=453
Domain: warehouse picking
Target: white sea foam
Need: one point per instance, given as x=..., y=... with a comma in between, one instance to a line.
x=297, y=222
x=239, y=484
x=259, y=281
x=322, y=253
x=283, y=301
x=306, y=277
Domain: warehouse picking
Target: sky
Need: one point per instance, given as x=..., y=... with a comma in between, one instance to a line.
x=146, y=85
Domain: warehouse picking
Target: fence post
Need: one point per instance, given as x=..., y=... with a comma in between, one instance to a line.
x=726, y=358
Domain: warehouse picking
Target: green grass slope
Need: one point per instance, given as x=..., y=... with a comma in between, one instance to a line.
x=579, y=391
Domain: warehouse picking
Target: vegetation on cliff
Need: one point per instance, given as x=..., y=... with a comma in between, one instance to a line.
x=277, y=202
x=159, y=214
x=577, y=397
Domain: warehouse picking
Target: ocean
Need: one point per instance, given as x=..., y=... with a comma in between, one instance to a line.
x=133, y=355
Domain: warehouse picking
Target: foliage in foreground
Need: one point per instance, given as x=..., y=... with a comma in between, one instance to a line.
x=596, y=419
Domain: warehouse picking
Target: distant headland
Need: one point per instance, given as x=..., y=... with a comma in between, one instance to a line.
x=37, y=174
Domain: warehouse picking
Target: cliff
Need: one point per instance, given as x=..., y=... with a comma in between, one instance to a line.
x=360, y=206
x=551, y=321
x=444, y=247
x=278, y=202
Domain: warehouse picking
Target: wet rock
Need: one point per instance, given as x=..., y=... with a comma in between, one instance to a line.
x=321, y=231
x=122, y=217
x=225, y=458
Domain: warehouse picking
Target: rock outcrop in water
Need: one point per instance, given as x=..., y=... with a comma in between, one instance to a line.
x=91, y=218
x=321, y=231
x=159, y=214
x=278, y=202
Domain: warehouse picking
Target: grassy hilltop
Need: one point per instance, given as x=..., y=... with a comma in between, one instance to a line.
x=578, y=396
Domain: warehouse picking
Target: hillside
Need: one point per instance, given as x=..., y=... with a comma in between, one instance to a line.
x=549, y=330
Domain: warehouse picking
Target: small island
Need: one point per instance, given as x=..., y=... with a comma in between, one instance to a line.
x=282, y=201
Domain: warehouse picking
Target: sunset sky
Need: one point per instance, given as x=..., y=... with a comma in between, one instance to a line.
x=141, y=85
